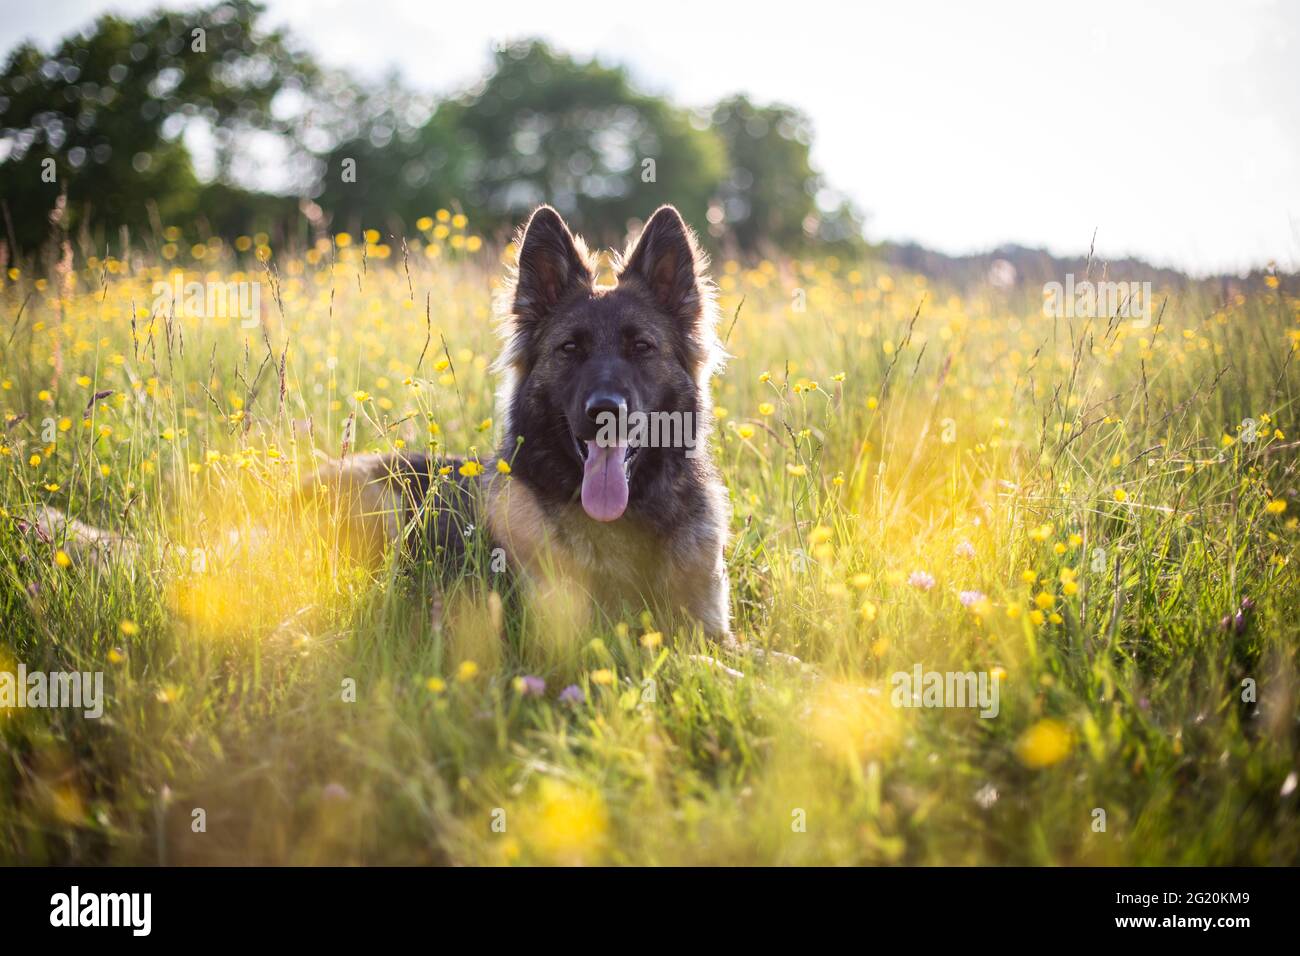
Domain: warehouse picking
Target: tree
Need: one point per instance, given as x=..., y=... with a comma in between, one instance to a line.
x=772, y=194
x=404, y=161
x=100, y=117
x=542, y=127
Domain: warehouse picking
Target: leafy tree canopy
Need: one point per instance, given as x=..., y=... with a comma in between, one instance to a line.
x=104, y=118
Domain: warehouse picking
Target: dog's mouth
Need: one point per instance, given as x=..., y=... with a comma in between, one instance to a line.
x=606, y=473
x=629, y=453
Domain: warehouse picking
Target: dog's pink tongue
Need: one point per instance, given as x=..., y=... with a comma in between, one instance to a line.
x=604, y=483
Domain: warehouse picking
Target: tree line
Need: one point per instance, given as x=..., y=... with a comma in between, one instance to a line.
x=98, y=135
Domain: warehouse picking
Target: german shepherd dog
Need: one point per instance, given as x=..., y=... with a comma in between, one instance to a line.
x=626, y=522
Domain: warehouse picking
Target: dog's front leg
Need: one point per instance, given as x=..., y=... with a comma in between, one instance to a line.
x=710, y=604
x=706, y=597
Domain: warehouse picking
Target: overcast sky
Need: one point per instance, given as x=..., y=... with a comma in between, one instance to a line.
x=1172, y=128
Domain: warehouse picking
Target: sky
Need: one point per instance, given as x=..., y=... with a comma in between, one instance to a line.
x=1171, y=129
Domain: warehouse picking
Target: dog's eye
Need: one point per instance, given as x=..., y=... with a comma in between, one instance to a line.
x=569, y=348
x=641, y=347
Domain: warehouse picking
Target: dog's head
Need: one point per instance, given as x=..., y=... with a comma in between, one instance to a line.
x=606, y=385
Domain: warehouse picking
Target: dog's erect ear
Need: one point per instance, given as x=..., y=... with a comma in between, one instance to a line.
x=664, y=259
x=551, y=266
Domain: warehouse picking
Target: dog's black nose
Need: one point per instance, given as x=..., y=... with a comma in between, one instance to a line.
x=605, y=403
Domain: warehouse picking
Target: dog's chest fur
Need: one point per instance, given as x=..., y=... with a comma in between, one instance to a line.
x=622, y=561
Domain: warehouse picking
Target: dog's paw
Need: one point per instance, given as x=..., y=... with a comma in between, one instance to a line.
x=717, y=665
x=759, y=653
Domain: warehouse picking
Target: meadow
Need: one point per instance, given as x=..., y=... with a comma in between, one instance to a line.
x=1097, y=515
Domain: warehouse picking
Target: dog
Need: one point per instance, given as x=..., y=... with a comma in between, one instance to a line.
x=582, y=506
x=627, y=522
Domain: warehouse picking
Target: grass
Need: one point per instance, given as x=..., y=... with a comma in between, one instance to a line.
x=267, y=701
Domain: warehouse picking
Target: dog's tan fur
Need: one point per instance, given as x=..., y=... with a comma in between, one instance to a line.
x=613, y=564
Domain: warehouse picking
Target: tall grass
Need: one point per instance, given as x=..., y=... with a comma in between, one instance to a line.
x=1081, y=492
